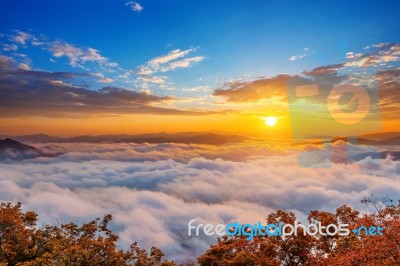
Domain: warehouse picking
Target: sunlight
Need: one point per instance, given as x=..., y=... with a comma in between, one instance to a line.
x=270, y=121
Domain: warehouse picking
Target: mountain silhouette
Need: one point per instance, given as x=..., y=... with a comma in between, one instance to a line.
x=184, y=137
x=395, y=155
x=14, y=150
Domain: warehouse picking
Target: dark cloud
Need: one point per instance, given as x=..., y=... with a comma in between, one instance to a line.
x=29, y=93
x=254, y=90
x=277, y=86
x=327, y=77
x=389, y=92
x=324, y=70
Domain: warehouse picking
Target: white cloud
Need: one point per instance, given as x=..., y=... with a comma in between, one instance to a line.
x=299, y=56
x=135, y=6
x=182, y=63
x=197, y=89
x=24, y=66
x=379, y=54
x=173, y=55
x=173, y=60
x=10, y=47
x=144, y=71
x=147, y=91
x=353, y=56
x=105, y=80
x=152, y=79
x=170, y=62
x=21, y=37
x=79, y=56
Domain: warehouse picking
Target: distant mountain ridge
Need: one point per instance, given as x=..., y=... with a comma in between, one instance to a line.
x=11, y=149
x=395, y=155
x=380, y=136
x=387, y=138
x=156, y=138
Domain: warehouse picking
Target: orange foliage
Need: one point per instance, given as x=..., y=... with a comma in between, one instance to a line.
x=319, y=249
x=22, y=243
x=93, y=243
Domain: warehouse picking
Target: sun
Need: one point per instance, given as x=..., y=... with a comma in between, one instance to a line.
x=270, y=121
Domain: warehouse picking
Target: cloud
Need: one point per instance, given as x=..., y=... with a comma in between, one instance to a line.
x=387, y=82
x=79, y=56
x=10, y=47
x=182, y=63
x=173, y=60
x=382, y=60
x=324, y=70
x=153, y=191
x=152, y=79
x=24, y=92
x=389, y=93
x=169, y=62
x=144, y=71
x=299, y=56
x=24, y=66
x=105, y=80
x=295, y=58
x=173, y=55
x=135, y=6
x=21, y=37
x=166, y=63
x=91, y=60
x=353, y=56
x=237, y=91
x=379, y=54
x=203, y=88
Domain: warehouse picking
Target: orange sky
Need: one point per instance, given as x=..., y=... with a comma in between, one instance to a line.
x=248, y=125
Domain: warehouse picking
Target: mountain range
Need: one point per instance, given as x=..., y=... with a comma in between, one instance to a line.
x=185, y=137
x=14, y=149
x=386, y=138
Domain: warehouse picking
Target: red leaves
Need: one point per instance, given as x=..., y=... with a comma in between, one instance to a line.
x=320, y=249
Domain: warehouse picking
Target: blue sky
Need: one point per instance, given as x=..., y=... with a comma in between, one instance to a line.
x=233, y=38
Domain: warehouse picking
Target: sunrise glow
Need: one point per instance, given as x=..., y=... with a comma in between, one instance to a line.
x=270, y=121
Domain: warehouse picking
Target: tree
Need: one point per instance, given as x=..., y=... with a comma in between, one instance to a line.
x=93, y=243
x=320, y=249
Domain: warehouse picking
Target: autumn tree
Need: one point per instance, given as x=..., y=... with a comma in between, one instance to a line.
x=93, y=243
x=318, y=249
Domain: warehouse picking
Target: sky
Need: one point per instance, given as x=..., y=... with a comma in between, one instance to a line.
x=102, y=67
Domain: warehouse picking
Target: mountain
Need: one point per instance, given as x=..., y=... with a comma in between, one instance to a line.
x=14, y=150
x=187, y=138
x=35, y=138
x=208, y=138
x=390, y=141
x=395, y=155
x=38, y=138
x=359, y=141
x=212, y=138
x=376, y=139
x=380, y=136
x=162, y=137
